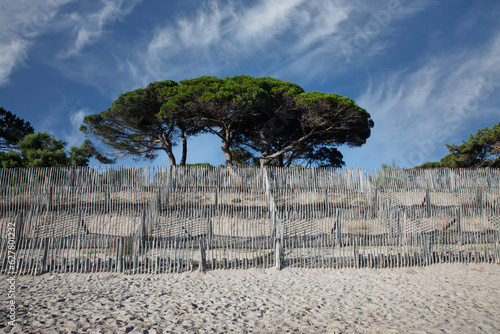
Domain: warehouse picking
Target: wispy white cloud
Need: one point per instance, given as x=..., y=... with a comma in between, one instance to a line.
x=89, y=28
x=272, y=37
x=12, y=53
x=267, y=20
x=64, y=120
x=347, y=33
x=222, y=34
x=293, y=36
x=74, y=137
x=418, y=111
x=21, y=22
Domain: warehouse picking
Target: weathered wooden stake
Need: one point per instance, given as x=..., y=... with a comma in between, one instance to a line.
x=119, y=255
x=203, y=262
x=277, y=259
x=19, y=230
x=45, y=254
x=356, y=254
x=210, y=233
x=338, y=238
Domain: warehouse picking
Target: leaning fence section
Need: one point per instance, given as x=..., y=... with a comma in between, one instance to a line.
x=158, y=220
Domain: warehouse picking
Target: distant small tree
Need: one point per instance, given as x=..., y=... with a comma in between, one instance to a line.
x=200, y=165
x=12, y=130
x=481, y=150
x=435, y=164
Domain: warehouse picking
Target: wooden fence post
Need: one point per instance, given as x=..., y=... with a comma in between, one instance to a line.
x=157, y=202
x=277, y=258
x=480, y=201
x=203, y=261
x=314, y=179
x=138, y=241
x=79, y=230
x=210, y=232
x=119, y=255
x=216, y=199
x=49, y=199
x=399, y=238
x=107, y=199
x=338, y=238
x=497, y=248
x=327, y=208
x=19, y=230
x=428, y=202
x=375, y=207
x=45, y=254
x=356, y=254
x=427, y=248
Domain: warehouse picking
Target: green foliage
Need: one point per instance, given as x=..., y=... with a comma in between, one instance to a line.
x=134, y=126
x=12, y=130
x=392, y=166
x=79, y=156
x=481, y=150
x=43, y=150
x=435, y=164
x=96, y=153
x=11, y=160
x=307, y=127
x=326, y=157
x=243, y=158
x=199, y=164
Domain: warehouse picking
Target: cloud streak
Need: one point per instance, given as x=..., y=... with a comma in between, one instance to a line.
x=21, y=22
x=294, y=36
x=432, y=103
x=224, y=33
x=12, y=53
x=89, y=28
x=75, y=137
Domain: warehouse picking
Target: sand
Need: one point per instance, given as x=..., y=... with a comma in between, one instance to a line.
x=444, y=298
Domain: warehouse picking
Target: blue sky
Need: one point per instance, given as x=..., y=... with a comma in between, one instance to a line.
x=428, y=72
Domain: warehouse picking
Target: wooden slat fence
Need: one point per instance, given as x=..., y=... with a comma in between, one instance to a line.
x=158, y=220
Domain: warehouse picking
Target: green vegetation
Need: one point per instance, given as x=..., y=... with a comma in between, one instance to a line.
x=21, y=147
x=133, y=126
x=12, y=130
x=481, y=150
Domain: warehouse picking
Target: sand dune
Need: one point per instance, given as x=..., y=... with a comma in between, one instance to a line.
x=444, y=298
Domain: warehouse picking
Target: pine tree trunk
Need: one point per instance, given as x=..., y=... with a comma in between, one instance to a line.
x=227, y=154
x=184, y=148
x=171, y=157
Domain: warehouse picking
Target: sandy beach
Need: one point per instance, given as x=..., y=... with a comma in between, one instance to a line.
x=444, y=298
